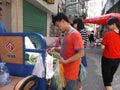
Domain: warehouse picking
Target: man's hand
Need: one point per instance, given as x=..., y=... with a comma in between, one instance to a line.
x=51, y=50
x=62, y=61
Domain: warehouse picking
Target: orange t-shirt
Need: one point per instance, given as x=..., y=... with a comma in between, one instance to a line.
x=72, y=43
x=111, y=40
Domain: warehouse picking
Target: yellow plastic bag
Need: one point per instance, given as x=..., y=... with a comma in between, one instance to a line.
x=62, y=75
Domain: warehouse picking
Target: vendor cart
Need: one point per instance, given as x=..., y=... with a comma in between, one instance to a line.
x=14, y=53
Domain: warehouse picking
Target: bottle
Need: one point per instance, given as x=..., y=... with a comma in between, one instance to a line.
x=4, y=74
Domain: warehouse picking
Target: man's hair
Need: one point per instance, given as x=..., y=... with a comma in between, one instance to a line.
x=59, y=17
x=0, y=9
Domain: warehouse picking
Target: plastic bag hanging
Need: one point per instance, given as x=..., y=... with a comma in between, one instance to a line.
x=39, y=68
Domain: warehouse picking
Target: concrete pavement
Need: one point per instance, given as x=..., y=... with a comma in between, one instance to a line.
x=94, y=77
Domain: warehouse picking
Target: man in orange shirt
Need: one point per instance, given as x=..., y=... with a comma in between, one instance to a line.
x=72, y=50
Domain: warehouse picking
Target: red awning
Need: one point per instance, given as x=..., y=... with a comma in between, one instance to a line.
x=101, y=19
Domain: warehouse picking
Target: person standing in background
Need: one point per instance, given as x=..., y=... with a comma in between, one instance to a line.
x=72, y=49
x=91, y=39
x=79, y=25
x=2, y=27
x=111, y=52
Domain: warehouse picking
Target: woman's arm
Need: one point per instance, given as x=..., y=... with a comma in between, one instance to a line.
x=102, y=46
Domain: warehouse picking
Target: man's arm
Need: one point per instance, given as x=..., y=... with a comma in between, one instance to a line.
x=79, y=54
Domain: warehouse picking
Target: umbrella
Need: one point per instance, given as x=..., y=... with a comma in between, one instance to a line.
x=101, y=19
